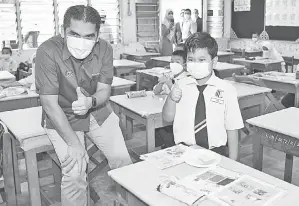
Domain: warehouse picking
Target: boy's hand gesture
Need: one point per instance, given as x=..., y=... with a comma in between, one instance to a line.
x=176, y=93
x=163, y=79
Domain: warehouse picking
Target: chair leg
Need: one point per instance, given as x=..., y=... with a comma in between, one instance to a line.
x=9, y=182
x=32, y=175
x=16, y=167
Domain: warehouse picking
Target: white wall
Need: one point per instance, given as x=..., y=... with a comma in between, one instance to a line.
x=178, y=5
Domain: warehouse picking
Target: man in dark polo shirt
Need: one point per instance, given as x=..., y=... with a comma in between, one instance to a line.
x=73, y=77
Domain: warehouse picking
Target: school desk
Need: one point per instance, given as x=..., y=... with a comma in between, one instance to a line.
x=278, y=130
x=124, y=67
x=26, y=100
x=137, y=183
x=120, y=86
x=284, y=82
x=148, y=110
x=244, y=52
x=259, y=64
x=139, y=56
x=147, y=78
x=225, y=56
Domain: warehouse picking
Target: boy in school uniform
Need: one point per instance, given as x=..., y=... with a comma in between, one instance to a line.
x=164, y=135
x=206, y=111
x=177, y=64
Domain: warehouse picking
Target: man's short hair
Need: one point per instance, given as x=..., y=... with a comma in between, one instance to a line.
x=196, y=11
x=202, y=40
x=188, y=10
x=7, y=48
x=82, y=13
x=180, y=53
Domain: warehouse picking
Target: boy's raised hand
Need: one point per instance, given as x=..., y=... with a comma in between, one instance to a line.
x=176, y=93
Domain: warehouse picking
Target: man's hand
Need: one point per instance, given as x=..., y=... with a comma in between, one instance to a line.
x=75, y=154
x=176, y=93
x=83, y=104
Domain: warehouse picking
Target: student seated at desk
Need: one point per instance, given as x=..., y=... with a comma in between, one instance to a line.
x=178, y=60
x=164, y=135
x=270, y=52
x=205, y=111
x=253, y=45
x=6, y=61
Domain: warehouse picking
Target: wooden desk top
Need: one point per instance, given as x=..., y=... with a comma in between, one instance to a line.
x=151, y=104
x=274, y=76
x=224, y=53
x=117, y=82
x=142, y=179
x=127, y=63
x=227, y=66
x=162, y=58
x=284, y=121
x=142, y=54
x=144, y=106
x=257, y=61
x=29, y=94
x=24, y=123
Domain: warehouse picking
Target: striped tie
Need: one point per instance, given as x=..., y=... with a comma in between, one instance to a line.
x=200, y=125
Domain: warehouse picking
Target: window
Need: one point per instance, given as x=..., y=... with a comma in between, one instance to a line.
x=110, y=13
x=37, y=22
x=63, y=5
x=8, y=24
x=147, y=20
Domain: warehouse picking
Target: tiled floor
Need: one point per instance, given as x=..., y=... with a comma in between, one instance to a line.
x=273, y=165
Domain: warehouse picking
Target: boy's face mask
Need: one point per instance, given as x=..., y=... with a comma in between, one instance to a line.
x=199, y=70
x=80, y=48
x=176, y=68
x=5, y=56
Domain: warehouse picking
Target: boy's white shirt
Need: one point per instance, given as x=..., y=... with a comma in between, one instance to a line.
x=222, y=111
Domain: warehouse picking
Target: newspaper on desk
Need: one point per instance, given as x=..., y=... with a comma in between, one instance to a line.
x=192, y=189
x=248, y=191
x=167, y=157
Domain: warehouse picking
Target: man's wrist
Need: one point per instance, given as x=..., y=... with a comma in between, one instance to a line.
x=89, y=102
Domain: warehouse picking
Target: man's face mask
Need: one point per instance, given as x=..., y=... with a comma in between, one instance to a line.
x=80, y=48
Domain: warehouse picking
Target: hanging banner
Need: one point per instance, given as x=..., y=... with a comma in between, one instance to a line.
x=282, y=13
x=242, y=5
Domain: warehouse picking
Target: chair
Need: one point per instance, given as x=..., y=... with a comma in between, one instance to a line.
x=289, y=61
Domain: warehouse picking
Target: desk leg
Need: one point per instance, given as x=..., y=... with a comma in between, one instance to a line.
x=32, y=175
x=16, y=167
x=9, y=182
x=150, y=135
x=138, y=82
x=257, y=152
x=288, y=170
x=297, y=97
x=262, y=107
x=129, y=122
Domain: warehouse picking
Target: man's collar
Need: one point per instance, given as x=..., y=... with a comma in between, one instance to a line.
x=66, y=53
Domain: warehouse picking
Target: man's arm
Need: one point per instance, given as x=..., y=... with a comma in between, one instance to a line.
x=102, y=94
x=233, y=144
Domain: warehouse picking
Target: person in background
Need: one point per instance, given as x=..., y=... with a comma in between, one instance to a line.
x=164, y=136
x=178, y=29
x=253, y=45
x=189, y=26
x=73, y=77
x=270, y=52
x=167, y=34
x=106, y=30
x=7, y=63
x=206, y=111
x=198, y=20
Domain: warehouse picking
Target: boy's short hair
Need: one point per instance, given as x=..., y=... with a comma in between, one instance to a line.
x=202, y=40
x=7, y=48
x=180, y=53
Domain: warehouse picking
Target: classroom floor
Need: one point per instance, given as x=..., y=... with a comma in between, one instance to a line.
x=273, y=164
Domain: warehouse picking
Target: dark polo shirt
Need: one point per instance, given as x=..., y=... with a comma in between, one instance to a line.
x=57, y=72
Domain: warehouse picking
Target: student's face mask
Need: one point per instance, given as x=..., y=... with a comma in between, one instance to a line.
x=5, y=56
x=199, y=70
x=254, y=39
x=176, y=68
x=79, y=48
x=187, y=16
